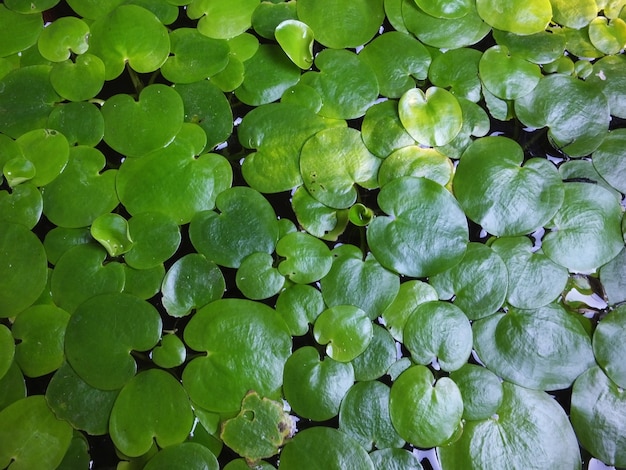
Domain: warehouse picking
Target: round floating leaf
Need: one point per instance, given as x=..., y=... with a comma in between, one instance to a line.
x=445, y=9
x=362, y=283
x=364, y=415
x=23, y=269
x=438, y=331
x=259, y=430
x=530, y=430
x=613, y=278
x=299, y=305
x=382, y=131
x=222, y=19
x=307, y=259
x=608, y=36
x=134, y=128
x=19, y=31
x=189, y=455
x=246, y=224
x=268, y=15
x=481, y=390
x=139, y=415
x=574, y=130
x=59, y=240
x=433, y=118
x=345, y=330
x=101, y=334
x=85, y=407
x=542, y=349
x=247, y=344
x=331, y=448
x=608, y=74
x=475, y=299
x=93, y=9
x=129, y=34
x=80, y=123
x=192, y=282
x=585, y=232
x=444, y=33
x=40, y=331
x=534, y=280
x=395, y=459
x=170, y=353
x=346, y=84
x=31, y=436
x=257, y=278
x=67, y=204
x=425, y=413
x=62, y=37
x=315, y=388
x=111, y=231
x=609, y=160
x=242, y=464
x=609, y=347
x=296, y=39
x=575, y=15
x=23, y=205
x=7, y=347
x=506, y=75
x=277, y=131
x=80, y=274
x=377, y=358
x=267, y=74
x=411, y=294
x=504, y=194
x=397, y=59
x=332, y=161
x=79, y=80
x=425, y=232
x=48, y=150
x=12, y=385
x=143, y=283
x=316, y=218
x=353, y=22
x=539, y=48
x=414, y=160
x=458, y=70
x=519, y=17
x=194, y=56
x=598, y=412
x=155, y=237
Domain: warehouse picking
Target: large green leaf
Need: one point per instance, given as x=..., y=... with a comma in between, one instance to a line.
x=519, y=16
x=19, y=31
x=425, y=231
x=506, y=75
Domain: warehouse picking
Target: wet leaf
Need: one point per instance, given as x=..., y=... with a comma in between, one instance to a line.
x=296, y=39
x=481, y=390
x=519, y=17
x=608, y=347
x=222, y=19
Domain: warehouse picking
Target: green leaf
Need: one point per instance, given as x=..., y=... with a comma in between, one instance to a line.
x=519, y=16
x=306, y=258
x=23, y=205
x=377, y=358
x=315, y=388
x=444, y=8
x=331, y=448
x=139, y=415
x=246, y=224
x=23, y=269
x=425, y=231
x=411, y=294
x=417, y=161
x=102, y=333
x=247, y=344
x=424, y=412
x=608, y=345
x=12, y=385
x=364, y=415
x=299, y=305
x=506, y=75
x=361, y=283
x=607, y=36
x=79, y=80
x=143, y=283
x=353, y=23
x=432, y=118
x=613, y=278
x=382, y=130
x=48, y=150
x=111, y=231
x=259, y=430
x=395, y=459
x=585, y=232
x=62, y=37
x=543, y=349
x=31, y=436
x=609, y=161
x=257, y=278
x=457, y=69
x=170, y=352
x=19, y=31
x=155, y=236
x=491, y=171
x=345, y=330
x=539, y=48
x=438, y=331
x=597, y=414
x=332, y=161
x=575, y=15
x=608, y=74
x=316, y=218
x=80, y=123
x=73, y=400
x=191, y=455
x=222, y=19
x=7, y=346
x=529, y=430
x=296, y=39
x=40, y=332
x=129, y=34
x=268, y=15
x=481, y=390
x=191, y=283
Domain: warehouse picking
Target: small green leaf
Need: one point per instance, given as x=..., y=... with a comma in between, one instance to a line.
x=222, y=19
x=62, y=37
x=481, y=390
x=170, y=352
x=307, y=259
x=382, y=130
x=608, y=36
x=345, y=330
x=296, y=39
x=81, y=123
x=48, y=151
x=506, y=75
x=23, y=205
x=257, y=278
x=191, y=455
x=519, y=16
x=155, y=236
x=79, y=80
x=417, y=161
x=377, y=358
x=299, y=305
x=609, y=347
x=111, y=231
x=411, y=294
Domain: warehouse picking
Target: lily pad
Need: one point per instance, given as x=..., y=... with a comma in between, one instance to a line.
x=23, y=205
x=247, y=345
x=438, y=331
x=377, y=358
x=608, y=74
x=316, y=218
x=80, y=123
x=257, y=278
x=23, y=268
x=539, y=48
x=48, y=150
x=19, y=31
x=306, y=258
x=584, y=246
x=140, y=416
x=31, y=436
x=314, y=387
x=62, y=37
x=457, y=69
x=411, y=294
x=222, y=19
x=481, y=390
x=382, y=130
x=170, y=353
x=529, y=430
x=101, y=334
x=191, y=455
x=364, y=415
x=427, y=226
x=608, y=347
x=111, y=231
x=296, y=39
x=608, y=36
x=533, y=189
x=155, y=236
x=519, y=17
x=425, y=412
x=345, y=330
x=609, y=161
x=507, y=76
x=395, y=459
x=299, y=305
x=417, y=161
x=268, y=15
x=543, y=349
x=353, y=23
x=246, y=224
x=576, y=15
x=598, y=409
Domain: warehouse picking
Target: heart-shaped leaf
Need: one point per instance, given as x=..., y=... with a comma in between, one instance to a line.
x=111, y=231
x=307, y=259
x=192, y=455
x=519, y=17
x=481, y=390
x=23, y=205
x=296, y=39
x=345, y=330
x=377, y=358
x=299, y=305
x=411, y=294
x=79, y=80
x=62, y=37
x=506, y=75
x=257, y=278
x=222, y=19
